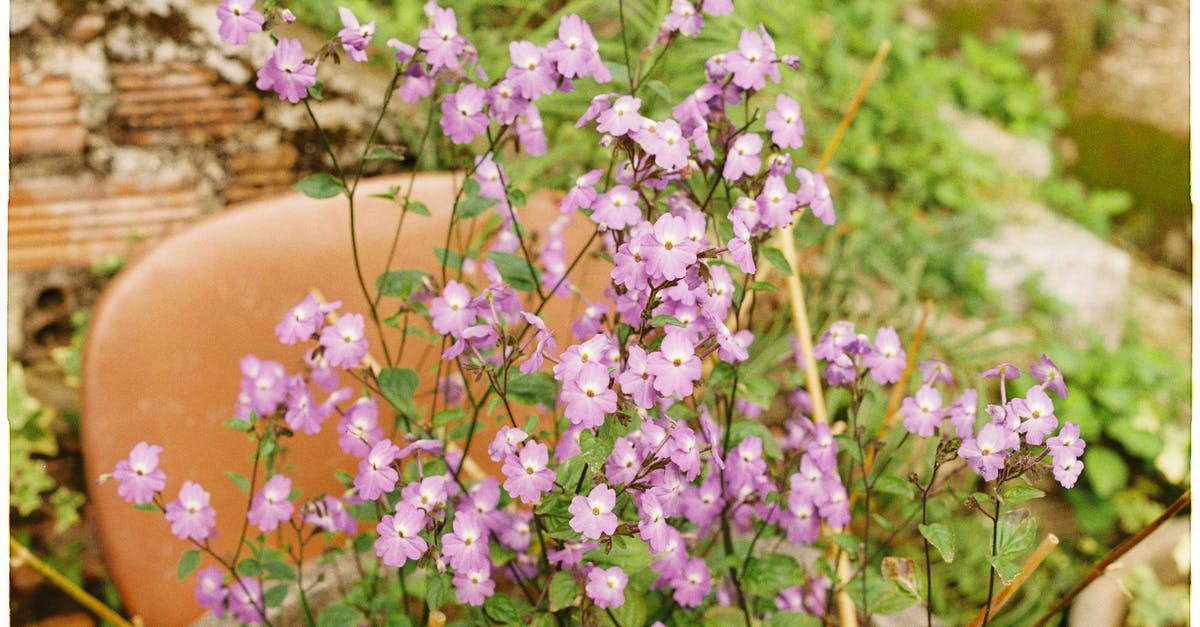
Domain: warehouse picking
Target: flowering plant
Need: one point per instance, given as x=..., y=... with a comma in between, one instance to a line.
x=650, y=489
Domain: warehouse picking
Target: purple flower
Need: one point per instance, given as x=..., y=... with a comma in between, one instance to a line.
x=329, y=514
x=359, y=428
x=776, y=203
x=693, y=584
x=821, y=204
x=529, y=72
x=190, y=515
x=139, y=477
x=575, y=52
x=671, y=250
x=684, y=18
x=583, y=194
x=717, y=7
x=1067, y=443
x=474, y=585
x=754, y=60
x=1066, y=470
x=606, y=586
x=355, y=37
x=271, y=505
x=428, y=494
x=210, y=589
x=375, y=473
x=238, y=21
x=399, y=536
x=467, y=547
x=592, y=515
x=887, y=360
x=740, y=248
x=286, y=73
x=743, y=158
x=1050, y=376
x=962, y=413
x=617, y=208
x=787, y=129
x=264, y=383
x=527, y=475
x=924, y=414
x=588, y=396
x=1038, y=412
x=344, y=342
x=986, y=452
x=1004, y=371
x=668, y=145
x=462, y=114
x=935, y=371
x=245, y=601
x=622, y=118
x=675, y=365
x=505, y=443
x=453, y=312
x=301, y=321
x=441, y=42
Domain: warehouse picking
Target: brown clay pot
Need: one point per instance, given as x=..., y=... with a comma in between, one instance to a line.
x=163, y=344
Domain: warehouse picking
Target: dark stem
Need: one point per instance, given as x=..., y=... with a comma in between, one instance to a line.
x=987, y=613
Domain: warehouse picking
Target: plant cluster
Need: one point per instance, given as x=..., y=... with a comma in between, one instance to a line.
x=654, y=492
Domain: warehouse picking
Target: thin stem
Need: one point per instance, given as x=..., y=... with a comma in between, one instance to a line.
x=1102, y=566
x=23, y=556
x=928, y=564
x=987, y=614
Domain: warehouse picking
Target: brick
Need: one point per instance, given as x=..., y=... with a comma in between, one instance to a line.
x=47, y=140
x=177, y=104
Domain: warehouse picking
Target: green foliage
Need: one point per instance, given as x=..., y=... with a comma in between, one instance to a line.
x=998, y=85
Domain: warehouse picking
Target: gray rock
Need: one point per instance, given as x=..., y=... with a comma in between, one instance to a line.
x=1019, y=155
x=1069, y=264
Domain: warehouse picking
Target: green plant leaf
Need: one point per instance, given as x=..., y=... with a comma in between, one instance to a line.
x=419, y=208
x=242, y=483
x=275, y=595
x=1005, y=568
x=278, y=569
x=663, y=320
x=398, y=386
x=941, y=536
x=793, y=619
x=320, y=185
x=340, y=615
x=1105, y=470
x=777, y=259
x=767, y=574
x=249, y=567
x=468, y=208
x=436, y=587
x=187, y=563
x=400, y=283
x=532, y=389
x=631, y=554
x=515, y=270
x=1021, y=493
x=563, y=590
x=500, y=608
x=379, y=153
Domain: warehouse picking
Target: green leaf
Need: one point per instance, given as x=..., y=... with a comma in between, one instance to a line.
x=446, y=416
x=762, y=286
x=1021, y=493
x=1105, y=470
x=663, y=320
x=568, y=473
x=468, y=208
x=237, y=424
x=902, y=572
x=398, y=386
x=340, y=615
x=941, y=536
x=419, y=208
x=895, y=485
x=563, y=590
x=400, y=283
x=390, y=194
x=631, y=554
x=436, y=587
x=238, y=480
x=249, y=567
x=378, y=153
x=777, y=259
x=1006, y=568
x=320, y=185
x=274, y=596
x=277, y=569
x=535, y=388
x=767, y=574
x=448, y=258
x=316, y=91
x=742, y=428
x=500, y=608
x=632, y=612
x=187, y=563
x=515, y=270
x=793, y=619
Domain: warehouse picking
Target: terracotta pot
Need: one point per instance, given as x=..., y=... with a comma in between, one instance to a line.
x=163, y=344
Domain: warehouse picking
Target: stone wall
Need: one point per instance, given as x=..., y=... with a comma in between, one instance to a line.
x=129, y=119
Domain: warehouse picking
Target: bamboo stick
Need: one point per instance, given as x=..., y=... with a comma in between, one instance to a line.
x=1030, y=564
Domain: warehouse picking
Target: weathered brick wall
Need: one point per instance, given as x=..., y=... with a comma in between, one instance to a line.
x=128, y=120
